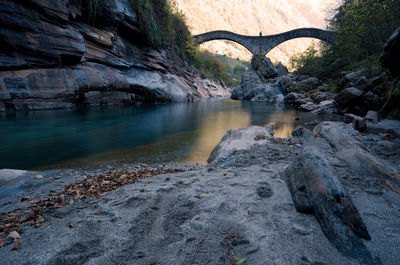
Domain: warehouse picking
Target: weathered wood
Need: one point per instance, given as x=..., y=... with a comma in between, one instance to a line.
x=315, y=188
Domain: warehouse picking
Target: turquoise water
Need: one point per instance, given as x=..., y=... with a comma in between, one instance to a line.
x=151, y=134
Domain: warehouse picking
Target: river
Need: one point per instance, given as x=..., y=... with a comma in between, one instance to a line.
x=149, y=133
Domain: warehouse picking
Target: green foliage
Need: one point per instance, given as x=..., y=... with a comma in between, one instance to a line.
x=304, y=59
x=312, y=61
x=211, y=66
x=363, y=26
x=164, y=26
x=90, y=6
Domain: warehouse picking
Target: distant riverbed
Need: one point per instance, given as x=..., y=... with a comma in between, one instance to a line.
x=149, y=134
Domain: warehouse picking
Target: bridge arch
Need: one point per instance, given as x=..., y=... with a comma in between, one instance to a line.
x=264, y=44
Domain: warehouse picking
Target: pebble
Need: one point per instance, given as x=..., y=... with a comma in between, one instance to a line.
x=39, y=176
x=14, y=235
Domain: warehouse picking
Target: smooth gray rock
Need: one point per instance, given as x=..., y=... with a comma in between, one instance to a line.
x=353, y=76
x=347, y=95
x=308, y=106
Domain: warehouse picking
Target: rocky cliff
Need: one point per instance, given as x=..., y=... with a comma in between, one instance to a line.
x=68, y=53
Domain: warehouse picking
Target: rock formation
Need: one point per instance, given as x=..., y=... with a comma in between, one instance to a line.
x=57, y=54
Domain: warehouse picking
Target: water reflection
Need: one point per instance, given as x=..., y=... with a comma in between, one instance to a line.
x=156, y=133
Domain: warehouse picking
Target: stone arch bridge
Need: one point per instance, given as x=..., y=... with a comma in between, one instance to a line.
x=264, y=44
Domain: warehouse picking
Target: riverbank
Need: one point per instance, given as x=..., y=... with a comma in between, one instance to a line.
x=237, y=209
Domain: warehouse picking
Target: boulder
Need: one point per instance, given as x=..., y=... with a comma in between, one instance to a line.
x=309, y=84
x=285, y=83
x=308, y=106
x=263, y=66
x=270, y=94
x=252, y=87
x=390, y=58
x=372, y=116
x=353, y=76
x=241, y=139
x=327, y=107
x=347, y=95
x=320, y=96
x=362, y=83
x=293, y=97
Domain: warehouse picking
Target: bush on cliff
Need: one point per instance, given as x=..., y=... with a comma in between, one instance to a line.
x=163, y=25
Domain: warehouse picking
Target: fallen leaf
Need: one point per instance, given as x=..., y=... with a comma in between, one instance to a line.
x=230, y=237
x=241, y=261
x=16, y=246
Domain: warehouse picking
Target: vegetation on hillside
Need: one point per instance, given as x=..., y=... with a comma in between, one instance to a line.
x=219, y=67
x=362, y=27
x=163, y=26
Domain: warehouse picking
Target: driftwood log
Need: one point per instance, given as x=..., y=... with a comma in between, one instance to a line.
x=315, y=189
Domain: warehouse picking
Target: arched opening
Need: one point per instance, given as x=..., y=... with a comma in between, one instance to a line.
x=227, y=48
x=287, y=49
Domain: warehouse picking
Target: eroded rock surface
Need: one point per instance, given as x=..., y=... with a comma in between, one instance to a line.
x=54, y=55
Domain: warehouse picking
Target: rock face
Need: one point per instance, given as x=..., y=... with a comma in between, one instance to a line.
x=53, y=56
x=391, y=54
x=263, y=67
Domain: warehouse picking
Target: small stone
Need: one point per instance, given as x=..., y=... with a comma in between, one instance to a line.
x=39, y=176
x=14, y=235
x=71, y=226
x=253, y=250
x=264, y=190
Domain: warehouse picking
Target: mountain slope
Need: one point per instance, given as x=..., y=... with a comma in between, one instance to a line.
x=249, y=17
